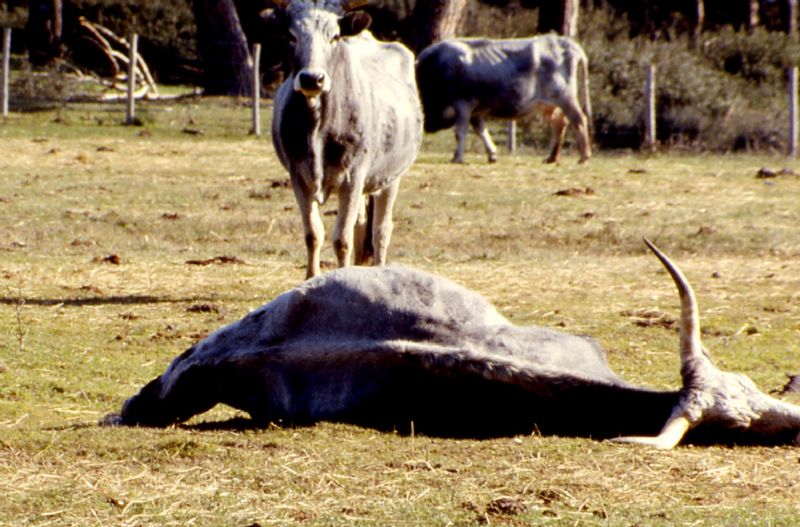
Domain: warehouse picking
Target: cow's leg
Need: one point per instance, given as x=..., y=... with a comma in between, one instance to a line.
x=558, y=127
x=479, y=125
x=312, y=227
x=382, y=224
x=462, y=129
x=350, y=203
x=577, y=119
x=362, y=246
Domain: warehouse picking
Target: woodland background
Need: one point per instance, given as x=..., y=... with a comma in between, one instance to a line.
x=722, y=64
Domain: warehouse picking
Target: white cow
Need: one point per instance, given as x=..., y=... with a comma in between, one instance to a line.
x=346, y=121
x=464, y=81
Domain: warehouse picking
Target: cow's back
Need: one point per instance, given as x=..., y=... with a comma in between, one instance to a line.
x=406, y=308
x=425, y=349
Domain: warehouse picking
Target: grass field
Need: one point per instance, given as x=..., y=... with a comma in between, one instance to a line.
x=121, y=246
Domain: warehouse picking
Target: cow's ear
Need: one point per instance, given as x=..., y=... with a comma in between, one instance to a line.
x=354, y=23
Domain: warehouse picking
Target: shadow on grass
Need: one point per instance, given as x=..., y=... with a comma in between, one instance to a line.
x=234, y=424
x=100, y=300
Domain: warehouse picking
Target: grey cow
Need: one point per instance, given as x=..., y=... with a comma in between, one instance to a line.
x=464, y=81
x=346, y=121
x=395, y=348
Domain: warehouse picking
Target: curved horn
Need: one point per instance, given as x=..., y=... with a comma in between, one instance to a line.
x=349, y=5
x=693, y=359
x=691, y=345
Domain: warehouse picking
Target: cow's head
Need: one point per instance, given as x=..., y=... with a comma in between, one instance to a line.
x=315, y=28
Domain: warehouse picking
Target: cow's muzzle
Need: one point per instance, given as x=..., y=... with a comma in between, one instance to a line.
x=311, y=83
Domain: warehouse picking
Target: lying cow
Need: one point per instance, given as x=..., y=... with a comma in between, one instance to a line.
x=395, y=348
x=464, y=81
x=346, y=121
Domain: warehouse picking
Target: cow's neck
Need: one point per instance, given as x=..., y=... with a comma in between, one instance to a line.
x=330, y=116
x=337, y=105
x=316, y=144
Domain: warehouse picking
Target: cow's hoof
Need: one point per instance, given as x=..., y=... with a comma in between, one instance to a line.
x=492, y=159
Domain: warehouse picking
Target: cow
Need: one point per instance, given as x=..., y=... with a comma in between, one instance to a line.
x=464, y=81
x=399, y=349
x=348, y=121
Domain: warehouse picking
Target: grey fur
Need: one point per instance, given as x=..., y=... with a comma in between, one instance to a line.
x=347, y=121
x=388, y=347
x=464, y=81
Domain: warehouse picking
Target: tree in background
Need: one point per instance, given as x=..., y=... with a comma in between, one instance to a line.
x=227, y=64
x=44, y=31
x=210, y=42
x=560, y=16
x=791, y=17
x=434, y=20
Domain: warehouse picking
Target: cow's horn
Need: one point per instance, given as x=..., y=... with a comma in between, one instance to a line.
x=692, y=354
x=349, y=5
x=280, y=4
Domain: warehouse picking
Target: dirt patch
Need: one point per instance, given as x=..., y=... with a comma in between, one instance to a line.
x=575, y=191
x=218, y=260
x=113, y=259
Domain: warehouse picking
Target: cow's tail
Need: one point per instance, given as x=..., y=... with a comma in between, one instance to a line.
x=583, y=64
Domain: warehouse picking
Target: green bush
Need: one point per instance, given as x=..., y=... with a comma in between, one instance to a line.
x=700, y=102
x=760, y=57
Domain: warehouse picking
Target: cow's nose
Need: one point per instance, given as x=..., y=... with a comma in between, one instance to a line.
x=311, y=82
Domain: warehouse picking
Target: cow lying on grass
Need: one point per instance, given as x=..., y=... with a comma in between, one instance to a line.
x=394, y=347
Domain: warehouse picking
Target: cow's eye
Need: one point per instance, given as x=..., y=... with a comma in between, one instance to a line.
x=335, y=38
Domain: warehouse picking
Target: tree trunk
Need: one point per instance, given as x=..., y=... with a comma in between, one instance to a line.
x=752, y=15
x=697, y=19
x=560, y=16
x=227, y=65
x=44, y=31
x=435, y=20
x=791, y=17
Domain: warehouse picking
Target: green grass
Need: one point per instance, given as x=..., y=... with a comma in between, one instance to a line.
x=79, y=334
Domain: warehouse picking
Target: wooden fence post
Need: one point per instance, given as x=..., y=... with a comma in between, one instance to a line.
x=6, y=69
x=650, y=109
x=130, y=109
x=512, y=136
x=793, y=111
x=256, y=90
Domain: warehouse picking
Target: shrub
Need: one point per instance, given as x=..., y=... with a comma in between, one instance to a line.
x=760, y=57
x=700, y=102
x=166, y=30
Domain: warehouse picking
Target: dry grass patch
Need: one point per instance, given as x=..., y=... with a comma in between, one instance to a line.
x=96, y=296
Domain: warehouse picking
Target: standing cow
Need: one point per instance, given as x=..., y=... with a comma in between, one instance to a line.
x=464, y=81
x=347, y=120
